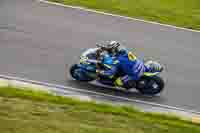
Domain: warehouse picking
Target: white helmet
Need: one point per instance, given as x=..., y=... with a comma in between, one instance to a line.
x=113, y=46
x=114, y=43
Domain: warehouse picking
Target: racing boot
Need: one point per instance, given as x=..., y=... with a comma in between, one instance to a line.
x=125, y=82
x=152, y=66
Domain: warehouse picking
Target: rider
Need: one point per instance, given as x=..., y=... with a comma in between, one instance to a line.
x=116, y=58
x=110, y=63
x=125, y=61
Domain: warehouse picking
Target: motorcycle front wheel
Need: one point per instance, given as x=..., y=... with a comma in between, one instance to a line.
x=78, y=74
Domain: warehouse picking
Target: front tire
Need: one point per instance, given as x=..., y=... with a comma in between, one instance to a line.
x=150, y=85
x=77, y=73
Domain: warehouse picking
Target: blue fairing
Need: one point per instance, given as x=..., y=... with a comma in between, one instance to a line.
x=89, y=67
x=87, y=71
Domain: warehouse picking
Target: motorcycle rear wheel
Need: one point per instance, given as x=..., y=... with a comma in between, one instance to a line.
x=150, y=85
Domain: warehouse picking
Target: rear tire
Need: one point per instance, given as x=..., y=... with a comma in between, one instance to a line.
x=77, y=73
x=150, y=85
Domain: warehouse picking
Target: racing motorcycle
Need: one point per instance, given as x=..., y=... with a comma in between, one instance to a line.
x=85, y=70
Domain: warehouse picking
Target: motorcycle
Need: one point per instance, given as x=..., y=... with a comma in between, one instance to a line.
x=85, y=70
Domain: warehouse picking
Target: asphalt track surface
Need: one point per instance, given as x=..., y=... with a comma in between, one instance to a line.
x=37, y=40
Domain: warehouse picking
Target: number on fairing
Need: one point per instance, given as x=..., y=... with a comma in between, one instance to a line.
x=131, y=56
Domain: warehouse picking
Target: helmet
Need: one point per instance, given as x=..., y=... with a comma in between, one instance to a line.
x=114, y=44
x=113, y=47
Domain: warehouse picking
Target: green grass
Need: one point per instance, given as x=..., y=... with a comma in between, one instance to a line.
x=35, y=112
x=183, y=13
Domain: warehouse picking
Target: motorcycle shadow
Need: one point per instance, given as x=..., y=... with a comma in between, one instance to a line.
x=133, y=94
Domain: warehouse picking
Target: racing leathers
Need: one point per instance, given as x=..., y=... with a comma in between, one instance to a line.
x=123, y=70
x=130, y=68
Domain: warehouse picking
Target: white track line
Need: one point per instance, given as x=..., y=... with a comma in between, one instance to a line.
x=97, y=93
x=115, y=15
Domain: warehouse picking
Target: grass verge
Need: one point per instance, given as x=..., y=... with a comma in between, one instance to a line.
x=183, y=13
x=33, y=111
